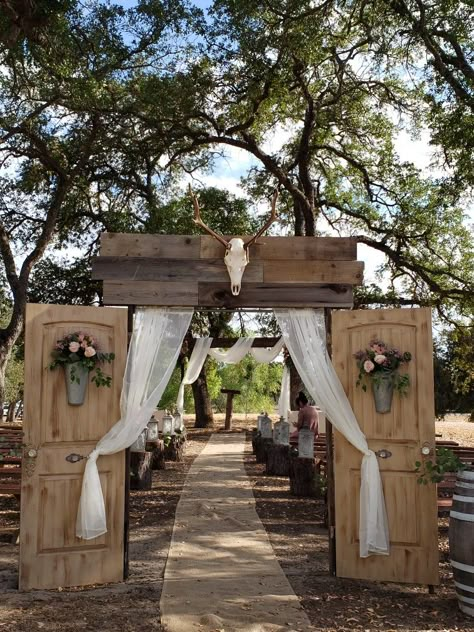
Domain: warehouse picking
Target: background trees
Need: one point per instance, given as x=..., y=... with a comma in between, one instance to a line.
x=105, y=111
x=62, y=103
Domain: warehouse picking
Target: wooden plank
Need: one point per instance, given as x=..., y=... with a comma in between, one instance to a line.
x=283, y=248
x=141, y=245
x=224, y=343
x=313, y=272
x=275, y=295
x=177, y=270
x=206, y=247
x=159, y=293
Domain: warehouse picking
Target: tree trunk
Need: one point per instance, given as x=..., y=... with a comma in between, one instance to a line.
x=5, y=353
x=278, y=460
x=202, y=402
x=11, y=411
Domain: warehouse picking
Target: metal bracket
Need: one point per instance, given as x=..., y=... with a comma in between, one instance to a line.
x=383, y=454
x=74, y=458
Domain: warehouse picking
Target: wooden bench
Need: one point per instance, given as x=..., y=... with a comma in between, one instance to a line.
x=11, y=445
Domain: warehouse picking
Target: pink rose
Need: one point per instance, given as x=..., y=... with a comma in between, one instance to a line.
x=369, y=366
x=81, y=337
x=74, y=347
x=380, y=359
x=89, y=352
x=84, y=344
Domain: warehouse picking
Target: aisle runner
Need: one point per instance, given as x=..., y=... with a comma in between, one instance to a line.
x=222, y=574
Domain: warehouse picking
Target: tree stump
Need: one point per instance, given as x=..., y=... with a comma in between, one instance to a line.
x=140, y=470
x=255, y=435
x=261, y=448
x=278, y=460
x=175, y=450
x=228, y=409
x=157, y=449
x=304, y=477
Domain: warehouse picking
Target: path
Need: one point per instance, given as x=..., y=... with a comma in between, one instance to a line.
x=221, y=574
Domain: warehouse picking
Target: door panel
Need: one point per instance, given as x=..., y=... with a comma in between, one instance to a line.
x=411, y=508
x=50, y=553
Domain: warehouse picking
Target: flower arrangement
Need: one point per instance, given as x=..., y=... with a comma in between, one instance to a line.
x=81, y=349
x=380, y=362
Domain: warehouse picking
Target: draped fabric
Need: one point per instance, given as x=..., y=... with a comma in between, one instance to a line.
x=265, y=356
x=232, y=356
x=305, y=338
x=235, y=354
x=156, y=341
x=284, y=400
x=195, y=364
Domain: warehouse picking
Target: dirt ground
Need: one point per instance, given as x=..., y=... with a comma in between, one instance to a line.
x=295, y=527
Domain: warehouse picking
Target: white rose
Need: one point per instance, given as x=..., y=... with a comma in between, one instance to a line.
x=380, y=359
x=74, y=347
x=89, y=352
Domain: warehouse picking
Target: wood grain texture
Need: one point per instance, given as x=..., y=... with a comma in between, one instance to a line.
x=206, y=247
x=313, y=272
x=411, y=508
x=275, y=295
x=138, y=245
x=50, y=553
x=219, y=295
x=284, y=248
x=159, y=293
x=177, y=270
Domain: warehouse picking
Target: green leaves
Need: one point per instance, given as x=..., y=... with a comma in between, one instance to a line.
x=434, y=471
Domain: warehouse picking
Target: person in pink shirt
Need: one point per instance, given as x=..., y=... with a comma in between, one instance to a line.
x=307, y=416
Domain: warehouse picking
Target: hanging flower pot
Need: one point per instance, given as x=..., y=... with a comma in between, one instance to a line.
x=379, y=365
x=383, y=394
x=79, y=354
x=77, y=377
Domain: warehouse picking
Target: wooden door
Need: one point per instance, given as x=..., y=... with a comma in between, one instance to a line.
x=411, y=508
x=50, y=553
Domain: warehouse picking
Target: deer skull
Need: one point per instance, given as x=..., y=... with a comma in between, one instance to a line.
x=237, y=251
x=236, y=258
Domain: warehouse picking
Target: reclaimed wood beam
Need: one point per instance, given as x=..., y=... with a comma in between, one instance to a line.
x=205, y=247
x=176, y=270
x=214, y=270
x=218, y=295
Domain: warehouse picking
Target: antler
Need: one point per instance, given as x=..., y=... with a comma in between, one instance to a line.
x=271, y=219
x=199, y=222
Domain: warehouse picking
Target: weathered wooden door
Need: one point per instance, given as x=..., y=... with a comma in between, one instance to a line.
x=411, y=508
x=50, y=553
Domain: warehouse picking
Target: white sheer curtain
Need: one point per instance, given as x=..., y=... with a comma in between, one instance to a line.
x=232, y=356
x=235, y=354
x=196, y=361
x=305, y=338
x=265, y=356
x=284, y=400
x=156, y=341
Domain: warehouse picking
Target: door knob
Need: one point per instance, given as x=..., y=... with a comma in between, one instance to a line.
x=426, y=449
x=383, y=454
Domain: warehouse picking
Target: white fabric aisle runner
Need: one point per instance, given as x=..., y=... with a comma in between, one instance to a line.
x=221, y=572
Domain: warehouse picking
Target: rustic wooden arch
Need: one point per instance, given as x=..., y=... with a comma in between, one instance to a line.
x=189, y=271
